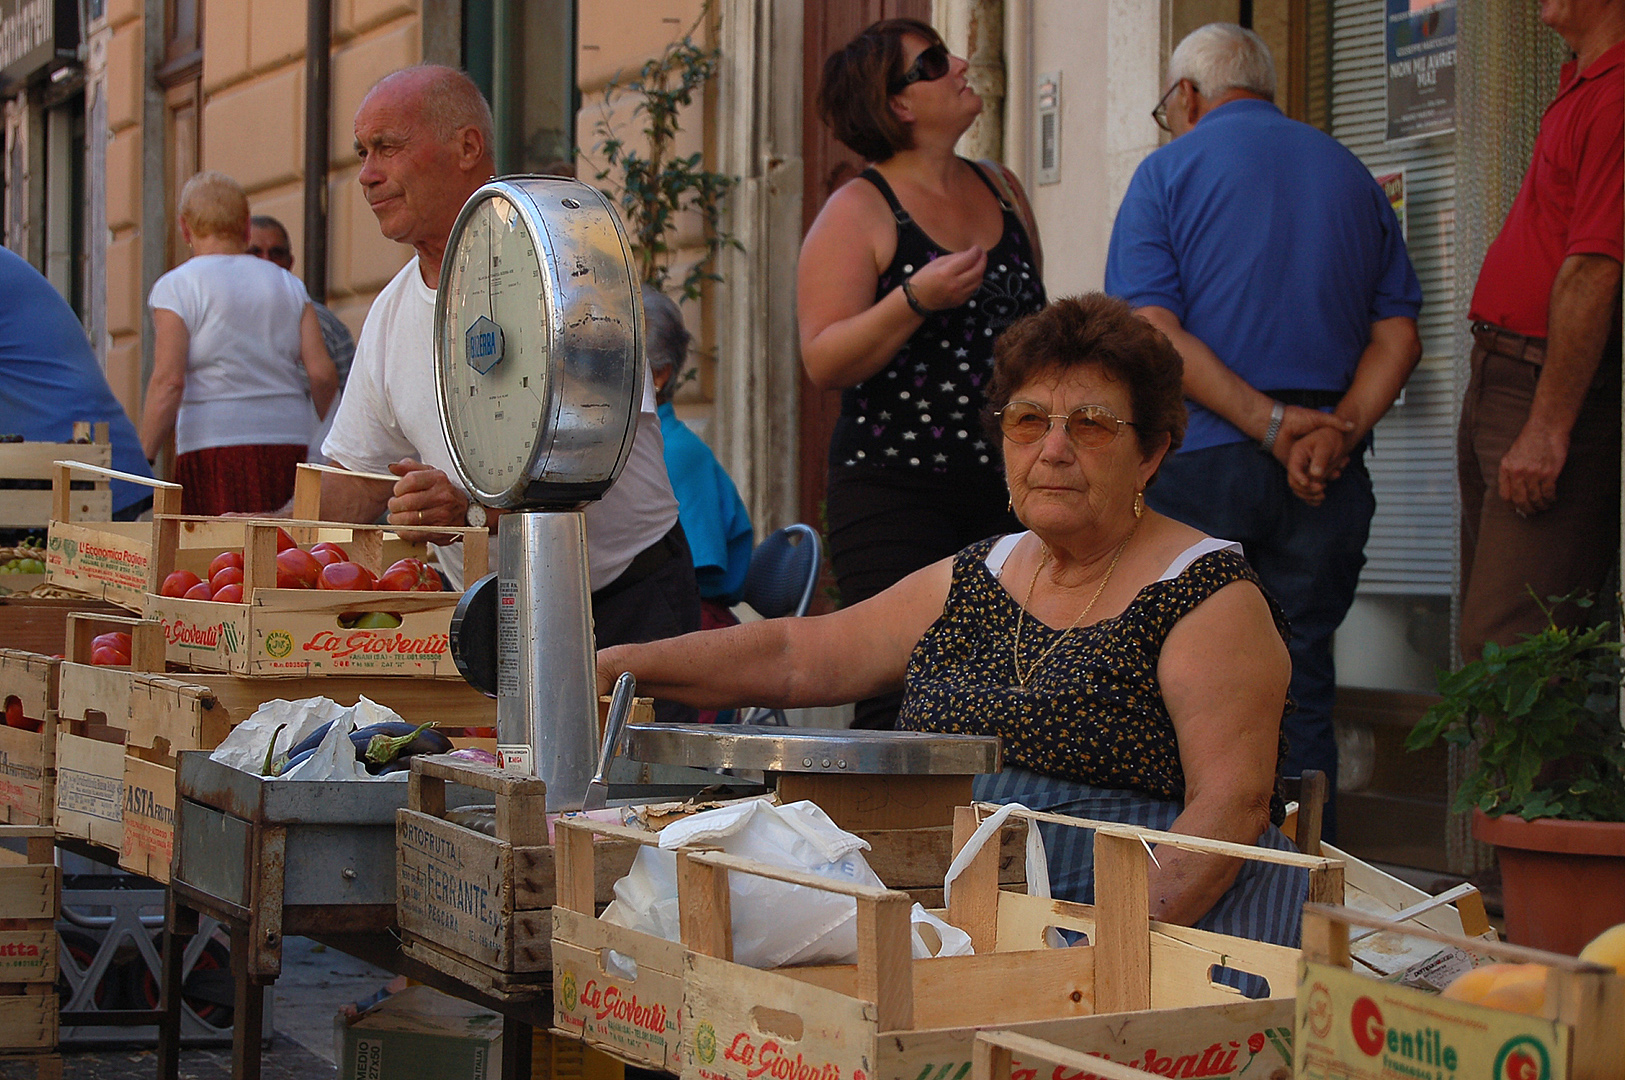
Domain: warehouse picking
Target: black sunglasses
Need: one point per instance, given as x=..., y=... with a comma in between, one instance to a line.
x=931, y=65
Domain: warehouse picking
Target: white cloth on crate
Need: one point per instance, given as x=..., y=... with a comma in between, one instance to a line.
x=245, y=382
x=389, y=412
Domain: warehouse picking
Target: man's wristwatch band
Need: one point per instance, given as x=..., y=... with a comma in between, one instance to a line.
x=1277, y=414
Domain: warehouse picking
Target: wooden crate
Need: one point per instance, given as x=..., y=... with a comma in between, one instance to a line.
x=30, y=900
x=147, y=837
x=634, y=1015
x=87, y=553
x=474, y=905
x=28, y=758
x=193, y=710
x=893, y=1017
x=100, y=694
x=1351, y=1026
x=303, y=631
x=1245, y=1039
x=40, y=624
x=35, y=462
x=90, y=784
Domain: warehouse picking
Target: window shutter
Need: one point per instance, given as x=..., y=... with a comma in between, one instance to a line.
x=1413, y=535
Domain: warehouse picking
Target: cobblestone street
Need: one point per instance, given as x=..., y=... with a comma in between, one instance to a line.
x=315, y=982
x=284, y=1059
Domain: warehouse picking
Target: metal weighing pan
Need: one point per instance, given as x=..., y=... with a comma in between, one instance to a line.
x=812, y=750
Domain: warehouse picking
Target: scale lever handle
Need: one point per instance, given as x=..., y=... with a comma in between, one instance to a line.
x=620, y=707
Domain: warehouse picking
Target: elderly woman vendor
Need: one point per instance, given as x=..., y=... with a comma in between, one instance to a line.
x=1131, y=665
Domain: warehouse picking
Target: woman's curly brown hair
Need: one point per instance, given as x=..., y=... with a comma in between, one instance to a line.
x=1094, y=330
x=853, y=97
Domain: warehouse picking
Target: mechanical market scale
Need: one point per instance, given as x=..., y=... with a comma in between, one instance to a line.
x=539, y=378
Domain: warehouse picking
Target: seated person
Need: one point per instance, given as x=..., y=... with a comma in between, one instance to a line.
x=1132, y=666
x=713, y=515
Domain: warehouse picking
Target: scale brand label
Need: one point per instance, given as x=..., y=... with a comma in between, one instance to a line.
x=515, y=758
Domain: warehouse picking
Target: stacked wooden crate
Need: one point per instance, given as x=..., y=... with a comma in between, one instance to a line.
x=30, y=499
x=200, y=667
x=28, y=691
x=687, y=1007
x=30, y=900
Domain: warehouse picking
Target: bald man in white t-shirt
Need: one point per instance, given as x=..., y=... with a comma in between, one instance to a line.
x=423, y=135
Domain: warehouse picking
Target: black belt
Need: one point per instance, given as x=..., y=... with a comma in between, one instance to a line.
x=646, y=563
x=1501, y=342
x=1307, y=399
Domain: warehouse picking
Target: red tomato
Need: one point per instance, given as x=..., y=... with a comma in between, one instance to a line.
x=347, y=576
x=283, y=540
x=296, y=569
x=200, y=591
x=178, y=583
x=230, y=593
x=328, y=553
x=106, y=657
x=223, y=560
x=116, y=640
x=226, y=575
x=15, y=717
x=410, y=575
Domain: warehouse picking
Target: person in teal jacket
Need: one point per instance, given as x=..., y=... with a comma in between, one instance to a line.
x=708, y=505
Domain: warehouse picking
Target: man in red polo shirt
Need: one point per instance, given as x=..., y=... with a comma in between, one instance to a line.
x=1539, y=444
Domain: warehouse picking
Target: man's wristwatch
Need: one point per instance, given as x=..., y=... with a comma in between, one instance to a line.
x=476, y=514
x=1277, y=414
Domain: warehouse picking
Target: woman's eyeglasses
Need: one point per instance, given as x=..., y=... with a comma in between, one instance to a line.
x=1088, y=426
x=929, y=66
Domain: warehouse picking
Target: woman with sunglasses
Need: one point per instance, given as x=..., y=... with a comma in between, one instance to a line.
x=906, y=278
x=1132, y=666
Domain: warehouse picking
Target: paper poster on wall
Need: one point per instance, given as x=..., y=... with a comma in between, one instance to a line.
x=1392, y=182
x=1419, y=39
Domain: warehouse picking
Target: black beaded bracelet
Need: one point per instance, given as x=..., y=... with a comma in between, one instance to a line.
x=919, y=309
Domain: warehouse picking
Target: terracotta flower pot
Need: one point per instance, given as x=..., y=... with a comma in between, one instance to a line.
x=1563, y=882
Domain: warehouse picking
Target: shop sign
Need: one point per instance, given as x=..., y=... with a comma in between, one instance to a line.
x=1419, y=50
x=1353, y=1027
x=29, y=33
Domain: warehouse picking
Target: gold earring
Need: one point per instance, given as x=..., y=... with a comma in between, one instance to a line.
x=1139, y=505
x=1010, y=504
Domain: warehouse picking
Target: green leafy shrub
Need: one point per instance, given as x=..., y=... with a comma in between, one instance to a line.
x=1543, y=715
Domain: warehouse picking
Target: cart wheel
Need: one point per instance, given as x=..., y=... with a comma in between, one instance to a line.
x=80, y=949
x=208, y=990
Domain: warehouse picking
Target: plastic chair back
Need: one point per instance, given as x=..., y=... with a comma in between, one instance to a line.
x=783, y=572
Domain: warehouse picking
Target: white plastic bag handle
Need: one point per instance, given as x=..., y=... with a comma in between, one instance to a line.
x=1037, y=861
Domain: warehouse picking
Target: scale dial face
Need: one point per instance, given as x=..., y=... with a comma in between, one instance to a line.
x=538, y=344
x=497, y=337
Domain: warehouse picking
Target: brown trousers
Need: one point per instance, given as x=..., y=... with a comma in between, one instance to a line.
x=1567, y=549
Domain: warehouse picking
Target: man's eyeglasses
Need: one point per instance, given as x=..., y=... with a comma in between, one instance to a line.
x=272, y=253
x=1088, y=426
x=929, y=66
x=1160, y=113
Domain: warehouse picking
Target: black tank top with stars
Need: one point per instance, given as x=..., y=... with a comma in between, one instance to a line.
x=921, y=413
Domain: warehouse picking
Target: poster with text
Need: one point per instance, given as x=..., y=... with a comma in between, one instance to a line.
x=1419, y=46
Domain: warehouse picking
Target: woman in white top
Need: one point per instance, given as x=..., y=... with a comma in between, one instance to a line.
x=235, y=338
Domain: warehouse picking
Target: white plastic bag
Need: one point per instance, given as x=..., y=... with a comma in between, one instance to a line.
x=1037, y=862
x=245, y=747
x=775, y=924
x=933, y=937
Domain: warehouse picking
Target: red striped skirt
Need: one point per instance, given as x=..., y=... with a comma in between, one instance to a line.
x=237, y=479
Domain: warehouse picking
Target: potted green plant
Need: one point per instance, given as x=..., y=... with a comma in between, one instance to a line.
x=1548, y=787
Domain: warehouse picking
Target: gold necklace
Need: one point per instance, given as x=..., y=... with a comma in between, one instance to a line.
x=1015, y=652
